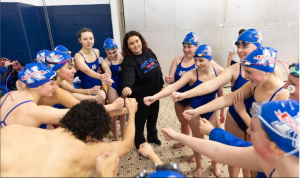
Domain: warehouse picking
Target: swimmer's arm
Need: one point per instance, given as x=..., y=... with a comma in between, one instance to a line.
x=224, y=101
x=175, y=86
x=125, y=146
x=173, y=69
x=229, y=58
x=80, y=63
x=278, y=73
x=235, y=156
x=47, y=114
x=69, y=87
x=105, y=66
x=211, y=85
x=65, y=98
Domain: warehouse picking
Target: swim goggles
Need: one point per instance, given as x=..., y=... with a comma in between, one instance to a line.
x=256, y=110
x=188, y=43
x=112, y=48
x=200, y=55
x=70, y=60
x=166, y=167
x=248, y=63
x=294, y=70
x=244, y=43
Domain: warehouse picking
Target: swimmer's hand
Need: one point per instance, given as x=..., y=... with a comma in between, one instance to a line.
x=189, y=114
x=95, y=90
x=104, y=77
x=118, y=103
x=146, y=150
x=100, y=97
x=169, y=79
x=238, y=102
x=177, y=96
x=169, y=133
x=149, y=100
x=205, y=126
x=131, y=105
x=126, y=91
x=107, y=164
x=109, y=82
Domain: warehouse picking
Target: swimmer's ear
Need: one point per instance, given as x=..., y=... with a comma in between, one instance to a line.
x=277, y=151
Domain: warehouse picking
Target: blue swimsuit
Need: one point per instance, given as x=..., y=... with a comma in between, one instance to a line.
x=88, y=82
x=116, y=76
x=178, y=73
x=202, y=100
x=240, y=81
x=43, y=126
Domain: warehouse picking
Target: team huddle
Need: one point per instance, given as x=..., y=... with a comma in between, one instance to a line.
x=55, y=124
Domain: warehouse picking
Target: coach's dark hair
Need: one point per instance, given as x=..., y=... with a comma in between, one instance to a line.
x=88, y=118
x=125, y=49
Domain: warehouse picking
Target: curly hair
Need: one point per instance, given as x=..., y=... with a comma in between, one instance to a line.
x=88, y=118
x=125, y=49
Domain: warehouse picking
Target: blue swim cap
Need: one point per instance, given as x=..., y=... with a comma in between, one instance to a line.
x=262, y=58
x=252, y=36
x=165, y=173
x=56, y=59
x=109, y=44
x=204, y=51
x=280, y=120
x=36, y=74
x=191, y=39
x=63, y=49
x=41, y=55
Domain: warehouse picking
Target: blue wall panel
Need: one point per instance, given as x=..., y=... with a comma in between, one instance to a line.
x=24, y=29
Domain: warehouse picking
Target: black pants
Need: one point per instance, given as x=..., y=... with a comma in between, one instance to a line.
x=143, y=114
x=232, y=62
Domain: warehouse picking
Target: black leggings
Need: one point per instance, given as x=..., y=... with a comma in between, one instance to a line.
x=149, y=113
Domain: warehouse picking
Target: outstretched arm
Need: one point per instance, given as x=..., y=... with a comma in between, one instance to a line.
x=47, y=114
x=170, y=88
x=233, y=156
x=218, y=103
x=208, y=86
x=147, y=151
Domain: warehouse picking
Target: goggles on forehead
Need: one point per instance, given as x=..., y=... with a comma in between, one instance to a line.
x=244, y=43
x=199, y=55
x=248, y=63
x=294, y=70
x=188, y=43
x=69, y=52
x=54, y=77
x=112, y=48
x=70, y=60
x=255, y=111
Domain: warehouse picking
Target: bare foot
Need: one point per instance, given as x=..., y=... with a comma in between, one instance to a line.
x=198, y=172
x=217, y=171
x=178, y=145
x=192, y=159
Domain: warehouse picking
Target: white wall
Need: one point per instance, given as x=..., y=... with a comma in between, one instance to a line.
x=164, y=23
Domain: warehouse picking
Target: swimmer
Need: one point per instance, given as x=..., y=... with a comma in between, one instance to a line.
x=68, y=151
x=247, y=42
x=20, y=107
x=112, y=67
x=275, y=149
x=203, y=72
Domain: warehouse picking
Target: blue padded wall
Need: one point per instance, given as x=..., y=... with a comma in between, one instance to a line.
x=24, y=30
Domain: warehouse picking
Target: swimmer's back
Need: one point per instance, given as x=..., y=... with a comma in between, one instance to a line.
x=34, y=152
